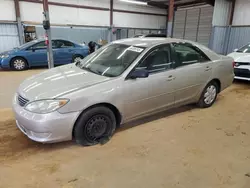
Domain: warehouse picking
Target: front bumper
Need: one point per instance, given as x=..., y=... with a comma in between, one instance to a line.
x=45, y=128
x=5, y=63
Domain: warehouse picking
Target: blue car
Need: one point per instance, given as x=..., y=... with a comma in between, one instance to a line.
x=34, y=54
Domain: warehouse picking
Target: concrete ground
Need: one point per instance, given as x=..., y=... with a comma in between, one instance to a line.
x=185, y=148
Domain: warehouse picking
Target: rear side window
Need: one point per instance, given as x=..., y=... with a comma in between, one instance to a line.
x=63, y=44
x=188, y=54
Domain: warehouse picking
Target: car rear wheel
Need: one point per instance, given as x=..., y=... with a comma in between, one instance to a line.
x=19, y=64
x=94, y=125
x=208, y=95
x=77, y=58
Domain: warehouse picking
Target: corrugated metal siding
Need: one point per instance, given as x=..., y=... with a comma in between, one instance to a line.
x=194, y=24
x=218, y=39
x=179, y=24
x=8, y=37
x=78, y=35
x=226, y=39
x=221, y=12
x=239, y=36
x=205, y=25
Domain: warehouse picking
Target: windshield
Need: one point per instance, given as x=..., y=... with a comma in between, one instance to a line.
x=28, y=44
x=111, y=60
x=244, y=49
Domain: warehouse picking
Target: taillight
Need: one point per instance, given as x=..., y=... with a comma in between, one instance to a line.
x=233, y=64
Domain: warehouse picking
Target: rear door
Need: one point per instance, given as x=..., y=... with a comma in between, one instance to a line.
x=64, y=51
x=193, y=70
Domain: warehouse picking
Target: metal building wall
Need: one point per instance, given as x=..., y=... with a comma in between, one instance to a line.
x=76, y=34
x=227, y=38
x=194, y=24
x=221, y=12
x=8, y=37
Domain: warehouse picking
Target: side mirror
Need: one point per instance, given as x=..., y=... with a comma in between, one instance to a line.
x=32, y=49
x=139, y=73
x=235, y=50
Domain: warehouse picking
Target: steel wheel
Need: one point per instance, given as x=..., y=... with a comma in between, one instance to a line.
x=96, y=127
x=210, y=94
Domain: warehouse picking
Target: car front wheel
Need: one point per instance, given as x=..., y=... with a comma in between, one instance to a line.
x=94, y=125
x=19, y=64
x=208, y=95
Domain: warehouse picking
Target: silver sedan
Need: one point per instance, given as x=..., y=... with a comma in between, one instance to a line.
x=123, y=81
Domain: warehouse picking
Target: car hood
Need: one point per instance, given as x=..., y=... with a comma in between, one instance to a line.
x=9, y=52
x=57, y=82
x=240, y=57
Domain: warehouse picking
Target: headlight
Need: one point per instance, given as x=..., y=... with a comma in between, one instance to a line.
x=46, y=106
x=4, y=56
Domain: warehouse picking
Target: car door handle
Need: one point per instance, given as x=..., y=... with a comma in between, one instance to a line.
x=170, y=78
x=208, y=68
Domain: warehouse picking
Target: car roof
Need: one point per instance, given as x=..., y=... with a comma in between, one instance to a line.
x=147, y=42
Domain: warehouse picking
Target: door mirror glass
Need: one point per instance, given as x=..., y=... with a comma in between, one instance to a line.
x=32, y=48
x=235, y=50
x=139, y=73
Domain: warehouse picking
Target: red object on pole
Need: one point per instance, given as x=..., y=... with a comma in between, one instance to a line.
x=46, y=40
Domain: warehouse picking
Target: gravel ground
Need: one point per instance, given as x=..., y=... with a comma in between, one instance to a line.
x=185, y=148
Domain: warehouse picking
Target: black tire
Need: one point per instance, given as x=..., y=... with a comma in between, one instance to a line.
x=202, y=101
x=19, y=64
x=93, y=125
x=76, y=57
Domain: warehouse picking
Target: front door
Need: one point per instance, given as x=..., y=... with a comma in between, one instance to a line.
x=193, y=70
x=154, y=93
x=37, y=54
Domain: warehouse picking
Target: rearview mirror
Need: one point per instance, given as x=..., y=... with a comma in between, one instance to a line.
x=139, y=73
x=235, y=50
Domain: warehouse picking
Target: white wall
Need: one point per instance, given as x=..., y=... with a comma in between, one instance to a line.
x=138, y=20
x=242, y=12
x=32, y=12
x=64, y=15
x=7, y=10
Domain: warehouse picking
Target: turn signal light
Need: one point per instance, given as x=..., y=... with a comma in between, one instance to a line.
x=233, y=64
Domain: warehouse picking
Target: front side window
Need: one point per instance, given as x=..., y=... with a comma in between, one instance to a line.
x=40, y=45
x=188, y=54
x=244, y=49
x=157, y=60
x=111, y=60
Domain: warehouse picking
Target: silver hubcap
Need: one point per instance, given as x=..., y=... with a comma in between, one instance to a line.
x=77, y=59
x=210, y=94
x=19, y=64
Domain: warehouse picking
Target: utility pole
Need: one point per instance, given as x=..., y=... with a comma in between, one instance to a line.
x=19, y=23
x=170, y=18
x=46, y=26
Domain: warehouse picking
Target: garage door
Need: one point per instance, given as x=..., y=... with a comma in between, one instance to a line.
x=194, y=24
x=8, y=37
